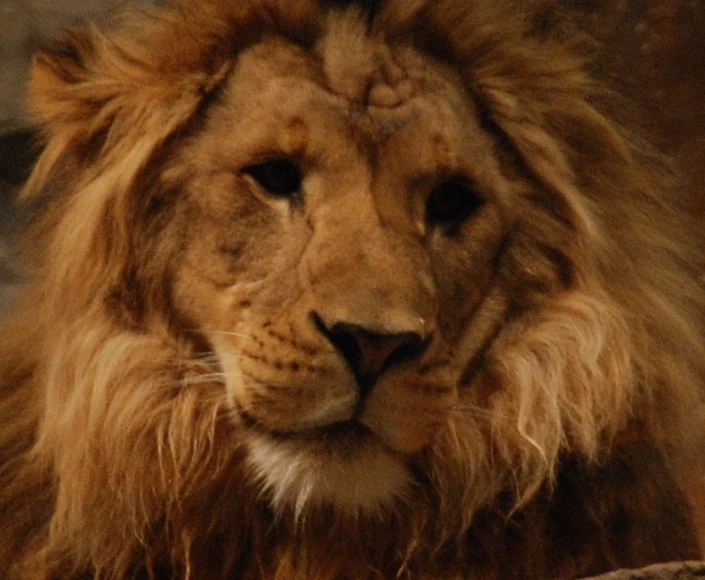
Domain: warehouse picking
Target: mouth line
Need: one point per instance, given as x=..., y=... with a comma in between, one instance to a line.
x=339, y=431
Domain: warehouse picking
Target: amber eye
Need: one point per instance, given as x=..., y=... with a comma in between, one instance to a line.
x=451, y=203
x=279, y=177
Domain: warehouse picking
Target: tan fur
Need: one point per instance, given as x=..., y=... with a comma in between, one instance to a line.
x=168, y=389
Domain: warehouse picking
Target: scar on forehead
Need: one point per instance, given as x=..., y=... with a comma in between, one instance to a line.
x=359, y=67
x=294, y=138
x=444, y=154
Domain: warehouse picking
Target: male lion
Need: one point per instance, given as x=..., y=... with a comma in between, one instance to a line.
x=346, y=290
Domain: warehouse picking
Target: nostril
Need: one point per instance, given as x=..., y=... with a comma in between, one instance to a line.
x=370, y=353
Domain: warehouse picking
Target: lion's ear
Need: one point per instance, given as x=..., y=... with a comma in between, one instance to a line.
x=99, y=98
x=57, y=71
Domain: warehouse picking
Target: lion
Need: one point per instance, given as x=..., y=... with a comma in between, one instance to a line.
x=324, y=290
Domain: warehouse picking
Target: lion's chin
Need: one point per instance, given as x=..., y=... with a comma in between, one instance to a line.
x=344, y=466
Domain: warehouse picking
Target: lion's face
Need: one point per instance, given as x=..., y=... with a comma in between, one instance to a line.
x=310, y=276
x=338, y=243
x=377, y=280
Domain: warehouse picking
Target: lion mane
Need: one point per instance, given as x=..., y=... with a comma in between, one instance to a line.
x=328, y=290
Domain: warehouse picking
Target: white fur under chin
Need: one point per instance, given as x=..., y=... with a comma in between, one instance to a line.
x=305, y=474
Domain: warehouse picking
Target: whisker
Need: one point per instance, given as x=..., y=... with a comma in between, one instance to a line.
x=230, y=333
x=205, y=378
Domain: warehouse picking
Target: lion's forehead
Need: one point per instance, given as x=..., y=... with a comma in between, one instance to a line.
x=283, y=99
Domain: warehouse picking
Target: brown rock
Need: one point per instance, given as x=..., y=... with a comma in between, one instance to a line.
x=670, y=571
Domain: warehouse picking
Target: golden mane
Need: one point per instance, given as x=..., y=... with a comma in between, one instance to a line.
x=573, y=387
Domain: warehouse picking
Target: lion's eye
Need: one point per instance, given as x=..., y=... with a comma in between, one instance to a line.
x=451, y=202
x=279, y=177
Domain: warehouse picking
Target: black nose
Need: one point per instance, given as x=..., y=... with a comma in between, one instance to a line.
x=369, y=353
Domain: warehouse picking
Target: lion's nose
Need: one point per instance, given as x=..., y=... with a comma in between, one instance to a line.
x=370, y=353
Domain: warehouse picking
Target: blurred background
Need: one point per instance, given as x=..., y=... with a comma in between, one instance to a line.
x=653, y=51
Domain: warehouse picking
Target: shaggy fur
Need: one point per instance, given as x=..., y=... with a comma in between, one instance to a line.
x=323, y=291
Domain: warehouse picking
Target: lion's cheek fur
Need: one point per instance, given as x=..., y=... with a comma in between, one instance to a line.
x=574, y=351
